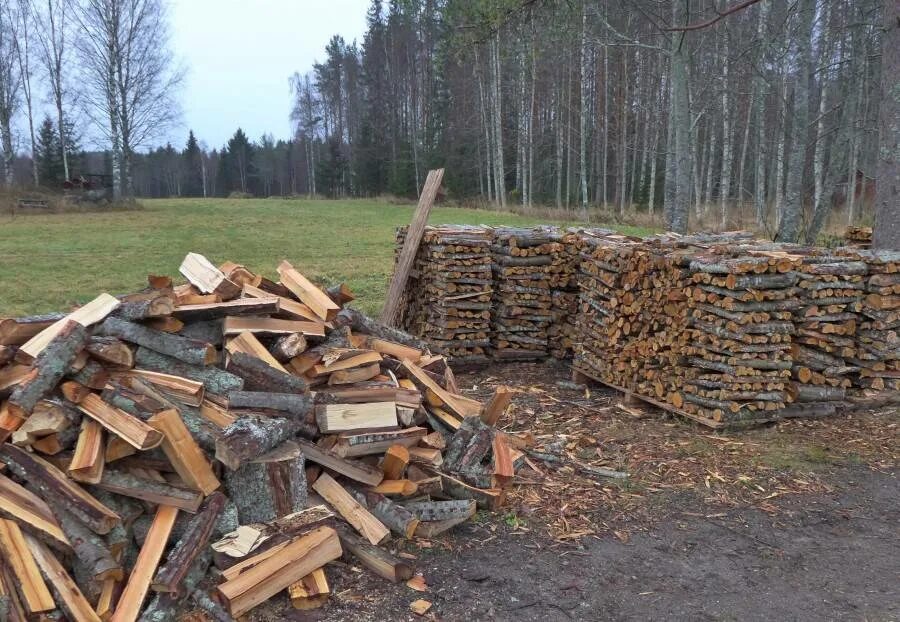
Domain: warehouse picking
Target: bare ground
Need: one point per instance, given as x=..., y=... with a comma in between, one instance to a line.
x=797, y=521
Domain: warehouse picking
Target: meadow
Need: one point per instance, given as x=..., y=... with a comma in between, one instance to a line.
x=54, y=261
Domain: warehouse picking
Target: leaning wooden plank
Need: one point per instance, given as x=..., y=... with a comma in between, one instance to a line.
x=185, y=390
x=53, y=484
x=391, y=309
x=130, y=429
x=309, y=294
x=250, y=437
x=17, y=556
x=357, y=471
x=375, y=558
x=129, y=606
x=286, y=306
x=203, y=275
x=91, y=313
x=190, y=351
x=289, y=565
x=31, y=513
x=150, y=490
x=369, y=443
x=68, y=595
x=424, y=381
x=195, y=538
x=334, y=418
x=351, y=510
x=242, y=306
x=183, y=452
x=247, y=343
x=272, y=326
x=88, y=461
x=49, y=368
x=215, y=380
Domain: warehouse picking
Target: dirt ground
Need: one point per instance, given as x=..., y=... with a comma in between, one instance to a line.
x=794, y=521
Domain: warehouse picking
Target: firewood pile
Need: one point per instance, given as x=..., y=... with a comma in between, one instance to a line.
x=877, y=338
x=528, y=266
x=860, y=237
x=212, y=444
x=449, y=292
x=563, y=331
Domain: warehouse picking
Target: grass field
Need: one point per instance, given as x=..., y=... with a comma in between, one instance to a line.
x=51, y=262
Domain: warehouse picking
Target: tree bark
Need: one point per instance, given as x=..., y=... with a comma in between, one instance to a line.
x=886, y=233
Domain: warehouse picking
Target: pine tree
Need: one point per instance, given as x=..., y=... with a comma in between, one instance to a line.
x=192, y=184
x=48, y=152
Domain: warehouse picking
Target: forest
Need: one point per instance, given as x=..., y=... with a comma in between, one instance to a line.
x=692, y=113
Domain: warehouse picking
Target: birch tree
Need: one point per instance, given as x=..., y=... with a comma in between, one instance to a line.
x=10, y=85
x=886, y=233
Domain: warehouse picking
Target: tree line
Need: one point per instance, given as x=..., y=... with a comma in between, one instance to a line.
x=698, y=111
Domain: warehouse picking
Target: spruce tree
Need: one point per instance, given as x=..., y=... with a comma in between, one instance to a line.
x=48, y=152
x=192, y=184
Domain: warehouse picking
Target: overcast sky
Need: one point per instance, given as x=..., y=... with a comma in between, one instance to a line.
x=239, y=55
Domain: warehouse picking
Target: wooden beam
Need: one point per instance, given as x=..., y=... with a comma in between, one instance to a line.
x=278, y=571
x=310, y=295
x=352, y=510
x=130, y=429
x=17, y=556
x=183, y=452
x=129, y=606
x=68, y=595
x=391, y=309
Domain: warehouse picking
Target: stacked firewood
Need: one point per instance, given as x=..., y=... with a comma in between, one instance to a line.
x=878, y=333
x=528, y=266
x=563, y=331
x=449, y=295
x=145, y=437
x=830, y=290
x=860, y=237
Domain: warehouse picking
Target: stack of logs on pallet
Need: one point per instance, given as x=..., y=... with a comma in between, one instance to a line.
x=528, y=265
x=145, y=437
x=449, y=291
x=877, y=336
x=860, y=237
x=563, y=331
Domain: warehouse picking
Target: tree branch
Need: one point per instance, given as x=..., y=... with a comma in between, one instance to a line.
x=719, y=16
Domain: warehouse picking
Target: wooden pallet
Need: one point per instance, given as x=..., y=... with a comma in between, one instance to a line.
x=629, y=397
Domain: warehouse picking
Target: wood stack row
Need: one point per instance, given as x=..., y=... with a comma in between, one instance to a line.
x=449, y=295
x=144, y=438
x=563, y=332
x=830, y=290
x=859, y=237
x=528, y=265
x=878, y=333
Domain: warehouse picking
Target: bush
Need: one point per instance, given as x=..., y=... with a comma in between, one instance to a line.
x=237, y=194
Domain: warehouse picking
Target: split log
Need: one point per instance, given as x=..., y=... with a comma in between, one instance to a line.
x=18, y=558
x=167, y=606
x=150, y=490
x=157, y=306
x=361, y=323
x=310, y=592
x=53, y=485
x=813, y=393
x=296, y=406
x=31, y=513
x=375, y=558
x=270, y=486
x=306, y=292
x=209, y=331
x=170, y=575
x=272, y=326
x=16, y=331
x=138, y=584
x=111, y=351
x=333, y=418
x=442, y=510
x=351, y=510
x=130, y=429
x=288, y=346
x=232, y=308
x=183, y=452
x=497, y=405
x=92, y=375
x=487, y=498
x=49, y=367
x=340, y=294
x=250, y=437
x=259, y=376
x=203, y=275
x=247, y=343
x=68, y=595
x=286, y=306
x=185, y=350
x=90, y=549
x=88, y=461
x=215, y=611
x=357, y=471
x=91, y=313
x=215, y=380
x=395, y=460
x=278, y=571
x=396, y=517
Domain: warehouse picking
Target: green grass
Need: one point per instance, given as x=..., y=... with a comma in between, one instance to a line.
x=51, y=262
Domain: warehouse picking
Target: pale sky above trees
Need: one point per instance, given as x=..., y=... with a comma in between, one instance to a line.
x=240, y=53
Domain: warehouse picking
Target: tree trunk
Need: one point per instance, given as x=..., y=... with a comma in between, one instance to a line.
x=499, y=174
x=759, y=106
x=727, y=147
x=681, y=113
x=886, y=234
x=583, y=119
